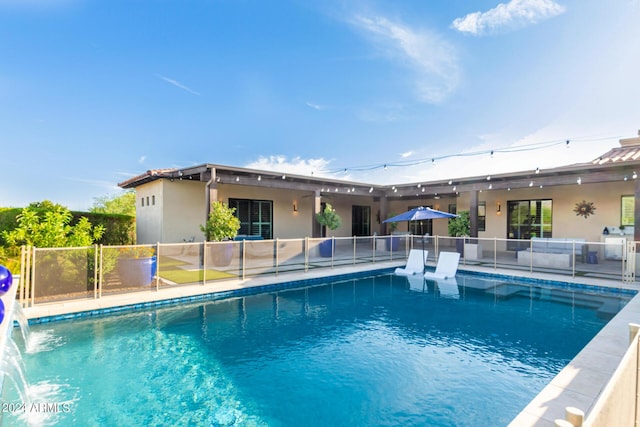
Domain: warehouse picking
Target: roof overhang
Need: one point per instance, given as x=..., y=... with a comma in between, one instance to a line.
x=594, y=172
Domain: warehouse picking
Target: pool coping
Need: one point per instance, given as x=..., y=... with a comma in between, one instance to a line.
x=578, y=384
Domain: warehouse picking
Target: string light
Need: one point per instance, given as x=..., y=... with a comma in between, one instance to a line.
x=520, y=148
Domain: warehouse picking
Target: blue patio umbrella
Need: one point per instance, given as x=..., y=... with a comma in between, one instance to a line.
x=418, y=214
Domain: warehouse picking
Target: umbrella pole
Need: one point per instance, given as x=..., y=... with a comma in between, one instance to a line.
x=424, y=261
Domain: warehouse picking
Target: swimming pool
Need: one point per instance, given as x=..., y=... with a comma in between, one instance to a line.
x=374, y=350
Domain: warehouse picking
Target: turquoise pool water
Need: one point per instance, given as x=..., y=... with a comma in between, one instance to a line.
x=374, y=350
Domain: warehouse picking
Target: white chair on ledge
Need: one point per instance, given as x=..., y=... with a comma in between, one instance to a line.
x=446, y=268
x=415, y=263
x=448, y=287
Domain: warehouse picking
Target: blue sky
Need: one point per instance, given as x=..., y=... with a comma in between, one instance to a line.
x=94, y=92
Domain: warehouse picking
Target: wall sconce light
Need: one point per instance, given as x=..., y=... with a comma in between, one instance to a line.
x=499, y=209
x=295, y=207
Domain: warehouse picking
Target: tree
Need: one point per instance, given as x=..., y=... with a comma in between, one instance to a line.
x=124, y=204
x=461, y=225
x=329, y=217
x=47, y=225
x=222, y=223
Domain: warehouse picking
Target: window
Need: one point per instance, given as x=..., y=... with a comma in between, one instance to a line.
x=256, y=217
x=147, y=200
x=153, y=200
x=361, y=221
x=453, y=209
x=527, y=219
x=627, y=210
x=482, y=216
x=420, y=228
x=142, y=201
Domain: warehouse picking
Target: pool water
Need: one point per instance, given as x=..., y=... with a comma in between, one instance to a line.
x=375, y=350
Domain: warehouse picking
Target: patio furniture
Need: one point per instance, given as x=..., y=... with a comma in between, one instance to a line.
x=447, y=266
x=415, y=263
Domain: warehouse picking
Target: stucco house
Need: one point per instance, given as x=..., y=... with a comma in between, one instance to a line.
x=172, y=203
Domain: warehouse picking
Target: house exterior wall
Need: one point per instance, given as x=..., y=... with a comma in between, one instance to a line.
x=605, y=196
x=184, y=211
x=344, y=207
x=179, y=209
x=149, y=217
x=286, y=223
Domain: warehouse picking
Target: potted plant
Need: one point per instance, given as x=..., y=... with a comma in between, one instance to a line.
x=460, y=227
x=137, y=265
x=330, y=219
x=392, y=241
x=221, y=225
x=621, y=228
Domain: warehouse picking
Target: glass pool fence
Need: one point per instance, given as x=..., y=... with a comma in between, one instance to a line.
x=57, y=274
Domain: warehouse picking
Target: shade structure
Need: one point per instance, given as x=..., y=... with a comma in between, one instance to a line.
x=418, y=214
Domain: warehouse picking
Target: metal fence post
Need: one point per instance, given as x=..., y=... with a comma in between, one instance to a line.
x=244, y=252
x=333, y=249
x=204, y=262
x=374, y=248
x=22, y=274
x=354, y=250
x=157, y=266
x=97, y=270
x=33, y=278
x=573, y=255
x=29, y=277
x=306, y=253
x=531, y=259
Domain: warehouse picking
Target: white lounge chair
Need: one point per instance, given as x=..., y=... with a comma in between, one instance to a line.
x=448, y=288
x=417, y=283
x=415, y=263
x=447, y=266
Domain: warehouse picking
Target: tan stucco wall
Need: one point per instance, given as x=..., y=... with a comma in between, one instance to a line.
x=181, y=206
x=344, y=207
x=149, y=218
x=290, y=225
x=184, y=211
x=606, y=198
x=286, y=223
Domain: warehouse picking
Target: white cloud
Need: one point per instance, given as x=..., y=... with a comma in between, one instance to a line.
x=142, y=159
x=433, y=59
x=177, y=84
x=315, y=106
x=296, y=165
x=406, y=154
x=508, y=16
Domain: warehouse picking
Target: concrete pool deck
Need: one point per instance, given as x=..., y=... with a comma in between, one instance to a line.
x=577, y=385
